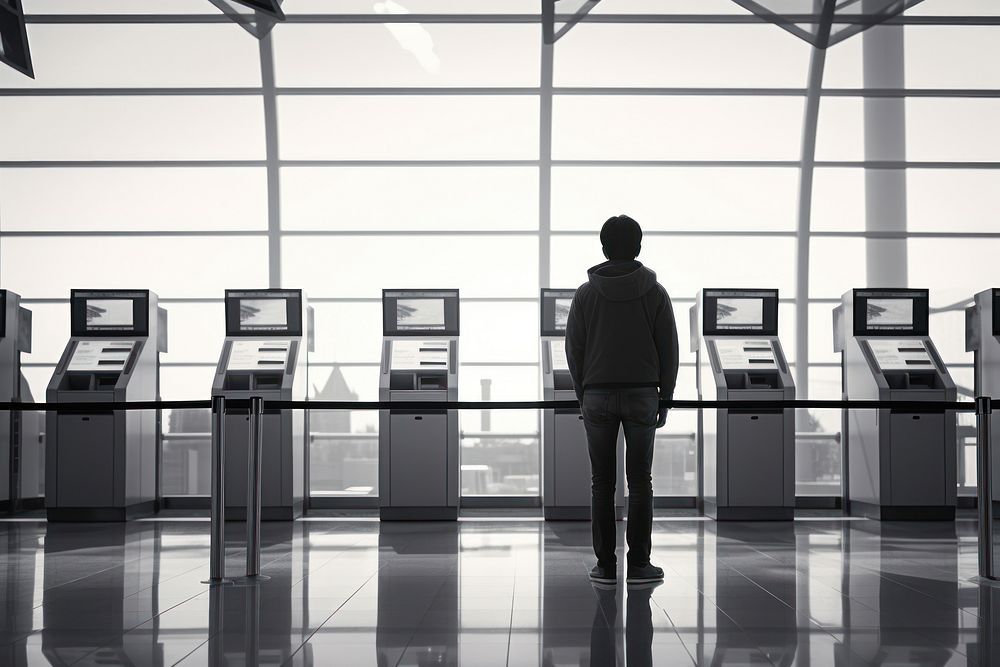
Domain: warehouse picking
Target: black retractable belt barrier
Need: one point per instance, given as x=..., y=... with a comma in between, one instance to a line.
x=85, y=406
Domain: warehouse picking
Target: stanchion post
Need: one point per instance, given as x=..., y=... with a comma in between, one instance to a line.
x=984, y=419
x=217, y=540
x=253, y=486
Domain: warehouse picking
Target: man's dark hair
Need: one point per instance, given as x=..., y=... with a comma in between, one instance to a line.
x=621, y=237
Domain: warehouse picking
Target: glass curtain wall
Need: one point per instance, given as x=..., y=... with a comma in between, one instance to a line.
x=436, y=143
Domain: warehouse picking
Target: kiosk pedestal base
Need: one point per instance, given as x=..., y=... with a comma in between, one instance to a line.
x=727, y=513
x=101, y=514
x=901, y=512
x=566, y=513
x=418, y=513
x=23, y=505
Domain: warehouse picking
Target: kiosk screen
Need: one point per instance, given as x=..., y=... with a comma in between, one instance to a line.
x=740, y=312
x=420, y=312
x=735, y=353
x=104, y=313
x=96, y=355
x=419, y=355
x=264, y=313
x=253, y=355
x=996, y=312
x=901, y=355
x=890, y=313
x=562, y=313
x=555, y=305
x=109, y=313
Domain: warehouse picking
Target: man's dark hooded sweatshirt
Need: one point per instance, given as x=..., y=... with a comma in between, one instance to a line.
x=621, y=331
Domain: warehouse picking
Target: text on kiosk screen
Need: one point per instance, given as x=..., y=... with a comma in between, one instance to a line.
x=257, y=314
x=739, y=313
x=889, y=313
x=559, y=361
x=419, y=314
x=109, y=313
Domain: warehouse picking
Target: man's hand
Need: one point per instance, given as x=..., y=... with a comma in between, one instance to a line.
x=661, y=419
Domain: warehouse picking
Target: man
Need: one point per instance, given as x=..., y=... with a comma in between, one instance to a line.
x=621, y=345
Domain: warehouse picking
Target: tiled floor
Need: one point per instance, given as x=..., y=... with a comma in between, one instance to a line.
x=819, y=591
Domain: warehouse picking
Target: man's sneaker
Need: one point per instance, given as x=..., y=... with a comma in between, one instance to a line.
x=644, y=574
x=603, y=575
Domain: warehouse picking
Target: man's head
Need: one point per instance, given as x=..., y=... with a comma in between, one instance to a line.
x=621, y=237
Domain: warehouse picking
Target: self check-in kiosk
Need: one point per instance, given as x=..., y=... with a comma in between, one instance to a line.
x=901, y=463
x=19, y=431
x=566, y=461
x=100, y=465
x=418, y=449
x=266, y=354
x=982, y=338
x=749, y=454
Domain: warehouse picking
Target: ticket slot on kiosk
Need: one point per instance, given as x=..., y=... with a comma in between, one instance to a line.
x=418, y=449
x=266, y=354
x=101, y=465
x=749, y=454
x=901, y=463
x=982, y=338
x=566, y=459
x=20, y=448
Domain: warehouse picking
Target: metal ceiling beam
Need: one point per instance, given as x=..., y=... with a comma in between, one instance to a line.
x=555, y=11
x=807, y=169
x=506, y=19
x=14, y=38
x=820, y=28
x=271, y=8
x=257, y=23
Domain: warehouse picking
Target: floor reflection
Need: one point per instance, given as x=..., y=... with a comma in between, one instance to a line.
x=419, y=593
x=902, y=609
x=639, y=626
x=819, y=592
x=99, y=583
x=21, y=588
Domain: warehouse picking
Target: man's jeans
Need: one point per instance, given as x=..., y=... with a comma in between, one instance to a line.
x=604, y=410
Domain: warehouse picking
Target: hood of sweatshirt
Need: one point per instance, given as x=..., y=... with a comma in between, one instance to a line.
x=621, y=280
